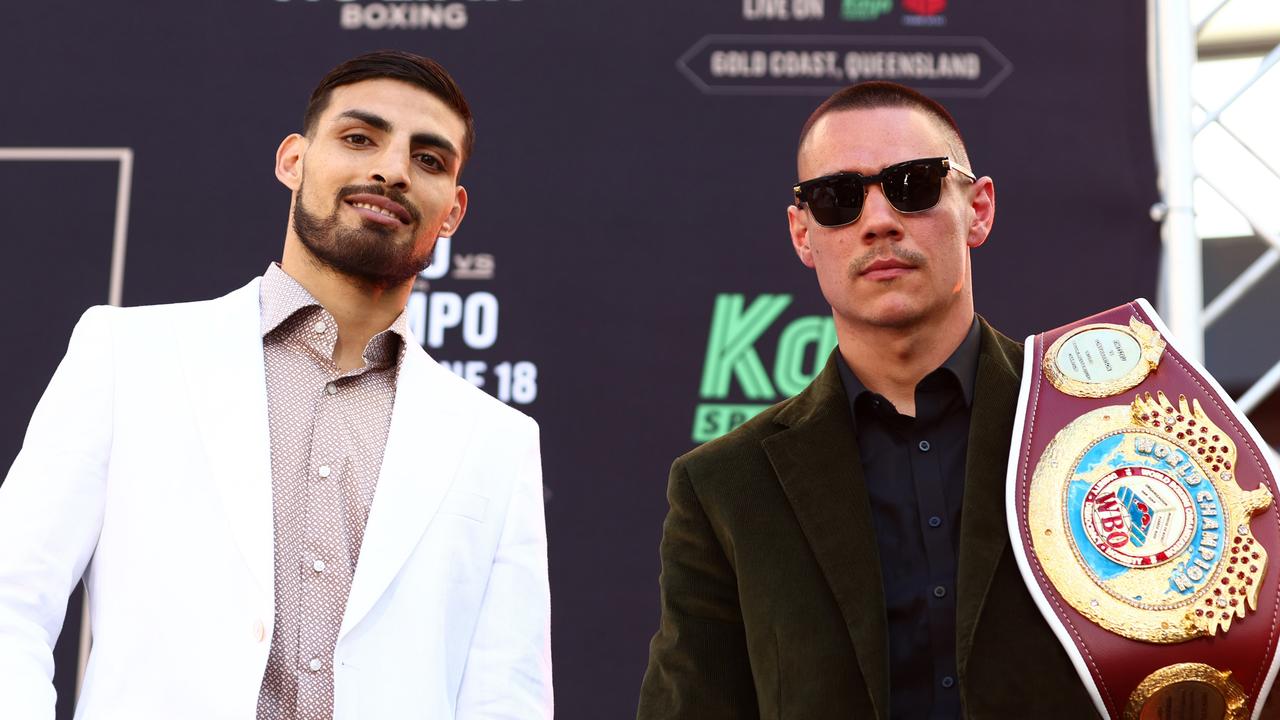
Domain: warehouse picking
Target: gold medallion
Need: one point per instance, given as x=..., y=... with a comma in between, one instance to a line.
x=1135, y=514
x=1187, y=691
x=1102, y=359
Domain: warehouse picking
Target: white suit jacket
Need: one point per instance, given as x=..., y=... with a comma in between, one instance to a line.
x=146, y=469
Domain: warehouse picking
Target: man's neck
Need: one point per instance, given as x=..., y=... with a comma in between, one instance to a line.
x=361, y=310
x=891, y=361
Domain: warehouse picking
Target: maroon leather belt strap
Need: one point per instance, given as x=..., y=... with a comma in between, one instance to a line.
x=1142, y=513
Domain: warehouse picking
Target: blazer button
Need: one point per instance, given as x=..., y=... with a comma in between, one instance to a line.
x=259, y=631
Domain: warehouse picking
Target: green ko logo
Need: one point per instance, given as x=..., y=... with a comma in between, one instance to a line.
x=737, y=328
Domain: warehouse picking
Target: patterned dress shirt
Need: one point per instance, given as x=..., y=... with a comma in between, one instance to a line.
x=328, y=432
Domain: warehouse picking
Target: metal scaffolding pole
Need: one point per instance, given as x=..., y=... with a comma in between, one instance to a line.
x=1182, y=300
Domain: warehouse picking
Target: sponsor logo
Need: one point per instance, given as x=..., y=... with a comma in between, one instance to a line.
x=924, y=13
x=924, y=7
x=736, y=382
x=401, y=14
x=864, y=10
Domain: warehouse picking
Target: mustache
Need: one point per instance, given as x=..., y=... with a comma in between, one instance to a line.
x=904, y=255
x=391, y=194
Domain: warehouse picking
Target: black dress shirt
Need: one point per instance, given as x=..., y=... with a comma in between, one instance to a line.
x=914, y=472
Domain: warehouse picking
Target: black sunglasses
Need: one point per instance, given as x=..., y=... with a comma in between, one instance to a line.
x=910, y=187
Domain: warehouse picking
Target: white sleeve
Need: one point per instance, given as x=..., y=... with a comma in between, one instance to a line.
x=508, y=671
x=51, y=507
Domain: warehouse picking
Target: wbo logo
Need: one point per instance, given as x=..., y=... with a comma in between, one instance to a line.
x=1138, y=516
x=736, y=383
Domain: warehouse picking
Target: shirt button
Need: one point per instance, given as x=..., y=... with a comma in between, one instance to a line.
x=948, y=681
x=318, y=566
x=331, y=388
x=323, y=471
x=259, y=631
x=935, y=521
x=924, y=446
x=939, y=591
x=315, y=664
x=318, y=327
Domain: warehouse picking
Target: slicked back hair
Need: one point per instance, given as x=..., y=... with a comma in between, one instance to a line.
x=875, y=94
x=395, y=65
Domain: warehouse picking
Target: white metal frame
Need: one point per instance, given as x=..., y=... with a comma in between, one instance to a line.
x=124, y=188
x=115, y=288
x=1172, y=55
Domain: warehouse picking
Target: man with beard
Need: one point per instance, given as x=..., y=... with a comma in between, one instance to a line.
x=280, y=505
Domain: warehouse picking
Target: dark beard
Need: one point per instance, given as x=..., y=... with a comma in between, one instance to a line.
x=369, y=253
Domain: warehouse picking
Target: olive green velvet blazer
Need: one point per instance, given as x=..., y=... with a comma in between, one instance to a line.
x=772, y=604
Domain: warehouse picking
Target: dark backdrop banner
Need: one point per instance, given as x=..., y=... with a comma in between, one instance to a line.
x=624, y=274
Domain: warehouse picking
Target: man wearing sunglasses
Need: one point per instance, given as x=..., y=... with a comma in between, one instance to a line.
x=844, y=554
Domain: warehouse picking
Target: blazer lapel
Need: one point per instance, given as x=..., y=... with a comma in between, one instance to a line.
x=430, y=424
x=221, y=351
x=816, y=459
x=983, y=532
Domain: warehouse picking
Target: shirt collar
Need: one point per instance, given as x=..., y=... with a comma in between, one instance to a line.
x=282, y=297
x=388, y=347
x=963, y=364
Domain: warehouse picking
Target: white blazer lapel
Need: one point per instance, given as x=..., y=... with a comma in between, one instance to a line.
x=222, y=356
x=430, y=424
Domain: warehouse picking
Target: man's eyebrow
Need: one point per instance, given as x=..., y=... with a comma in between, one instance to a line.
x=432, y=140
x=374, y=121
x=424, y=139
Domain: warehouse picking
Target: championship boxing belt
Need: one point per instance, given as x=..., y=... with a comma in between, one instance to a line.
x=1141, y=511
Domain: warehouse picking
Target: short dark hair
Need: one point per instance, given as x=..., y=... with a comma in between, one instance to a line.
x=396, y=65
x=874, y=94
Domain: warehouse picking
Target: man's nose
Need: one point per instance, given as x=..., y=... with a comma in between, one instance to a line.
x=879, y=220
x=391, y=168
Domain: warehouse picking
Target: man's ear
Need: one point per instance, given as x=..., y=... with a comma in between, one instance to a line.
x=983, y=205
x=456, y=213
x=289, y=161
x=800, y=235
